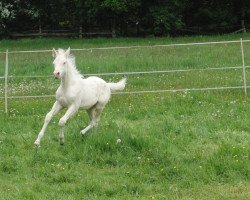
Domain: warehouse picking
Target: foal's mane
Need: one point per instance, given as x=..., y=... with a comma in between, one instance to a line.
x=71, y=64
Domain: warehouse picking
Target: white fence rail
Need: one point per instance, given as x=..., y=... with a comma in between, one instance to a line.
x=243, y=67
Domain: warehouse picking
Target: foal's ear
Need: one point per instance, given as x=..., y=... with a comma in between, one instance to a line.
x=54, y=53
x=67, y=52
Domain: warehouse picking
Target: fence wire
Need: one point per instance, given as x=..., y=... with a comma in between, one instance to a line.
x=132, y=47
x=138, y=72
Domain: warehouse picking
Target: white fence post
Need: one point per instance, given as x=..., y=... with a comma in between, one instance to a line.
x=243, y=67
x=6, y=80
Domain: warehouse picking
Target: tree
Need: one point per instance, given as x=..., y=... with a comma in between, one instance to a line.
x=121, y=13
x=162, y=17
x=7, y=13
x=213, y=16
x=126, y=17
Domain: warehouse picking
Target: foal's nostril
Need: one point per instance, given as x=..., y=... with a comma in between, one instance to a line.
x=56, y=74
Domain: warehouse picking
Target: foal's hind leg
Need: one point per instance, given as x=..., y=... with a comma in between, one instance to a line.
x=94, y=115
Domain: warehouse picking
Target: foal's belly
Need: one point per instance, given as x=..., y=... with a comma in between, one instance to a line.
x=87, y=102
x=84, y=102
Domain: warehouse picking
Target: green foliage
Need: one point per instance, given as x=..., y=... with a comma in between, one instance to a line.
x=119, y=6
x=126, y=17
x=7, y=13
x=165, y=21
x=216, y=16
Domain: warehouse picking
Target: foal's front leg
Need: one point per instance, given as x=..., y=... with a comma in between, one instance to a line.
x=69, y=113
x=55, y=109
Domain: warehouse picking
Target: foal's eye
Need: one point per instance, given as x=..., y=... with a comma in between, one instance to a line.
x=64, y=62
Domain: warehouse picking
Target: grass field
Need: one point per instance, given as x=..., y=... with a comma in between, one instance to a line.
x=182, y=145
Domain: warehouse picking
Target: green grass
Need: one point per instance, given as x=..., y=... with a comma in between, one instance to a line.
x=183, y=145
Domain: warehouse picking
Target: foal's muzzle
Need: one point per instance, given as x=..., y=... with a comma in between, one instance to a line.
x=57, y=75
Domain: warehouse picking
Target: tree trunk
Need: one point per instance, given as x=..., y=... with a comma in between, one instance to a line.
x=80, y=32
x=243, y=26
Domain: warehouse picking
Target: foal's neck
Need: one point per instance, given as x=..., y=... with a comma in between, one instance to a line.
x=68, y=79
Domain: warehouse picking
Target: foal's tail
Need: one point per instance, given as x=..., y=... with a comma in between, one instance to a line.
x=117, y=86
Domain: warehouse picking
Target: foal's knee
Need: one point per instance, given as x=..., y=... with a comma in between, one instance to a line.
x=62, y=122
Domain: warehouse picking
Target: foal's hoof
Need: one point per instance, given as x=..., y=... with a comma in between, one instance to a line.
x=83, y=132
x=61, y=141
x=36, y=144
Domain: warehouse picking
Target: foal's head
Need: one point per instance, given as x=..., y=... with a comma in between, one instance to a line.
x=60, y=62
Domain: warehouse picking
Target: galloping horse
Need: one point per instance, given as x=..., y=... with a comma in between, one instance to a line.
x=74, y=92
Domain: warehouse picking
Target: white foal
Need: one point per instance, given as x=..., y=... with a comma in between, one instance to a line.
x=74, y=92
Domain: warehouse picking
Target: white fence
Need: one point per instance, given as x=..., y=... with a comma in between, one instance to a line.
x=243, y=67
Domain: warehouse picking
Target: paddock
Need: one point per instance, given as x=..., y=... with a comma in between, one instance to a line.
x=182, y=123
